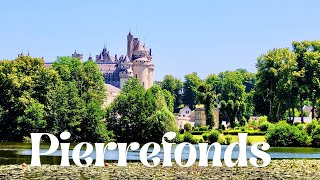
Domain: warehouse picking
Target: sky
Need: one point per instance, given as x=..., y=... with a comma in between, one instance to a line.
x=185, y=36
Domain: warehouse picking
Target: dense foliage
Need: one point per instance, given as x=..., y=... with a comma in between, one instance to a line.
x=66, y=97
x=287, y=80
x=139, y=115
x=284, y=134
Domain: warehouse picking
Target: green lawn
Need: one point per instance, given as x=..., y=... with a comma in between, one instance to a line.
x=252, y=139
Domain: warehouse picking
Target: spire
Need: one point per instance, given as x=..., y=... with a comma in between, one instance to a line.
x=129, y=32
x=28, y=53
x=90, y=58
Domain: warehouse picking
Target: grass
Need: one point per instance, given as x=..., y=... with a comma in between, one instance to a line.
x=252, y=139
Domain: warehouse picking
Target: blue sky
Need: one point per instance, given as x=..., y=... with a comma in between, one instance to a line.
x=185, y=36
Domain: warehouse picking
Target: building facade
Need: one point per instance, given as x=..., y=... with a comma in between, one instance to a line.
x=196, y=117
x=117, y=70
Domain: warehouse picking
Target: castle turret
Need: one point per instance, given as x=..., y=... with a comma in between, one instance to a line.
x=129, y=45
x=78, y=56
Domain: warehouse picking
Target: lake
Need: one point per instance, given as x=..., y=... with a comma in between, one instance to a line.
x=17, y=153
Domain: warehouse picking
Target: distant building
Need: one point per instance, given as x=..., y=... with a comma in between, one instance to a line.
x=196, y=117
x=306, y=119
x=117, y=70
x=76, y=55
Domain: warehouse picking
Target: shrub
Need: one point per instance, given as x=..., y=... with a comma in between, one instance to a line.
x=242, y=128
x=203, y=128
x=221, y=140
x=188, y=137
x=213, y=136
x=284, y=134
x=263, y=119
x=196, y=129
x=205, y=136
x=316, y=136
x=301, y=126
x=228, y=139
x=181, y=131
x=311, y=126
x=264, y=126
x=179, y=138
x=187, y=127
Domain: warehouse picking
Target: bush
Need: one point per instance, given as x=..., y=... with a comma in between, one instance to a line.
x=243, y=128
x=316, y=136
x=284, y=134
x=228, y=139
x=213, y=136
x=222, y=140
x=187, y=127
x=188, y=137
x=264, y=126
x=205, y=136
x=301, y=126
x=181, y=131
x=179, y=138
x=263, y=119
x=311, y=126
x=204, y=128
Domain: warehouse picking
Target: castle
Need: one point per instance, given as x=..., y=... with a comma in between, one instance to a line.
x=117, y=70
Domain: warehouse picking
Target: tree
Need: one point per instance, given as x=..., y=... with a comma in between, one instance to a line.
x=138, y=115
x=32, y=121
x=190, y=90
x=81, y=91
x=232, y=96
x=174, y=86
x=207, y=97
x=18, y=92
x=275, y=80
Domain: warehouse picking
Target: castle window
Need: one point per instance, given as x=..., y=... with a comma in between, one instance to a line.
x=136, y=75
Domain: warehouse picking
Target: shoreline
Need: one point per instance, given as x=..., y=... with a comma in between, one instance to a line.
x=277, y=169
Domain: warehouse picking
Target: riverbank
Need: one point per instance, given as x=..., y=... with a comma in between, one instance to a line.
x=278, y=169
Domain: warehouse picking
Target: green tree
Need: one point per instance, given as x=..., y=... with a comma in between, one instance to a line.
x=139, y=115
x=275, y=80
x=190, y=90
x=174, y=86
x=32, y=121
x=207, y=97
x=232, y=97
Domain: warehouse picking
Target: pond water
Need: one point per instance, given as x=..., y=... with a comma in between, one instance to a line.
x=17, y=153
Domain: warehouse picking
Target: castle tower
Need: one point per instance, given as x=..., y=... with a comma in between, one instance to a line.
x=129, y=45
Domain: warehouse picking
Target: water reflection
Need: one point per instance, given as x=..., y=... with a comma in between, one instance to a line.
x=20, y=153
